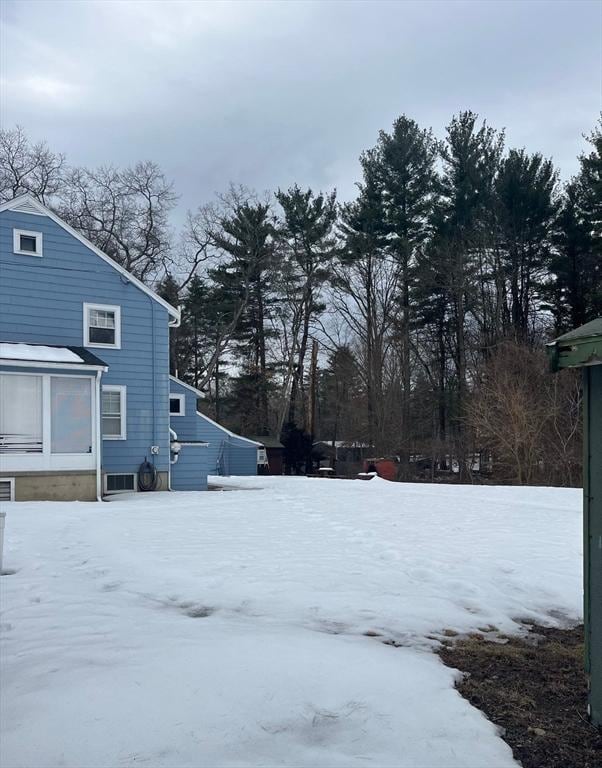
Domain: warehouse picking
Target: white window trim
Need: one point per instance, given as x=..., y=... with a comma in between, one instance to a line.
x=105, y=308
x=17, y=242
x=46, y=460
x=182, y=400
x=11, y=483
x=105, y=490
x=122, y=389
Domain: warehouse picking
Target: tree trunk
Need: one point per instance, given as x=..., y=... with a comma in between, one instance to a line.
x=405, y=370
x=311, y=421
x=298, y=373
x=460, y=333
x=370, y=353
x=261, y=361
x=442, y=412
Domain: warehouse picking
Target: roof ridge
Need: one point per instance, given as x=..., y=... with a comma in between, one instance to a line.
x=27, y=196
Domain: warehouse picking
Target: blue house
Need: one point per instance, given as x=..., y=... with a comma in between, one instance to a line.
x=84, y=368
x=227, y=453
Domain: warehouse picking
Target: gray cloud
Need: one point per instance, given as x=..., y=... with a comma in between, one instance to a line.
x=268, y=93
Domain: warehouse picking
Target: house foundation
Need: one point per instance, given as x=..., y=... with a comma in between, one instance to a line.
x=53, y=486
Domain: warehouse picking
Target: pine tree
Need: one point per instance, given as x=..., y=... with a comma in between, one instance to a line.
x=247, y=235
x=576, y=291
x=340, y=394
x=526, y=210
x=365, y=231
x=307, y=232
x=471, y=158
x=406, y=164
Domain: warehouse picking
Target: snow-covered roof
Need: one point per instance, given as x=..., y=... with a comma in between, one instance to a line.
x=27, y=203
x=18, y=352
x=38, y=352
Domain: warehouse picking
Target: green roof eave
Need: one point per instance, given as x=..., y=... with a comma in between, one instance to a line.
x=577, y=348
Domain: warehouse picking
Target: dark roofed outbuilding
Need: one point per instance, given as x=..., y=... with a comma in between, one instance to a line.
x=274, y=451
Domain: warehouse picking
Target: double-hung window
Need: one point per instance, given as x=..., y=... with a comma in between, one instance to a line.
x=114, y=418
x=102, y=326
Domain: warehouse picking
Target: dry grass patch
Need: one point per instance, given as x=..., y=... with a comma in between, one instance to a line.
x=534, y=688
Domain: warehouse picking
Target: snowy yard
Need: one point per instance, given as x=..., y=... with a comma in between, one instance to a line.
x=229, y=628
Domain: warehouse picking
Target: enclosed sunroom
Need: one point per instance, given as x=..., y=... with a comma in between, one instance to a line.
x=50, y=427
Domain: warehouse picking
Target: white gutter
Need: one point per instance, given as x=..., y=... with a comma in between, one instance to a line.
x=98, y=437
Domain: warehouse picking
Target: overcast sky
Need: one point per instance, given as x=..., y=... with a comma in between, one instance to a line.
x=269, y=93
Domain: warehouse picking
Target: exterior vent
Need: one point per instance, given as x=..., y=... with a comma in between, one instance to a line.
x=27, y=207
x=7, y=489
x=118, y=483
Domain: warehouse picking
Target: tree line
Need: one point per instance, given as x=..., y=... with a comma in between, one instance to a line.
x=426, y=300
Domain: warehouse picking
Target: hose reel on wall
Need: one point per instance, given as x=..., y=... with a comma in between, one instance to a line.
x=148, y=477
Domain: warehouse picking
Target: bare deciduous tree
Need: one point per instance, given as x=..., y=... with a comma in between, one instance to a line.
x=527, y=419
x=27, y=167
x=124, y=213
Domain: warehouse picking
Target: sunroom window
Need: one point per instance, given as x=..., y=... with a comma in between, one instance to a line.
x=45, y=414
x=71, y=415
x=102, y=326
x=20, y=414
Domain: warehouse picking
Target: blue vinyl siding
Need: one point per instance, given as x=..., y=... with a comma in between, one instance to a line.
x=189, y=473
x=42, y=302
x=242, y=458
x=227, y=454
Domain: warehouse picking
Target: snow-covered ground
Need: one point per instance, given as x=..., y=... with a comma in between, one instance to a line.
x=229, y=628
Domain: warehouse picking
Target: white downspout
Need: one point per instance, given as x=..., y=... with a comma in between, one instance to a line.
x=98, y=437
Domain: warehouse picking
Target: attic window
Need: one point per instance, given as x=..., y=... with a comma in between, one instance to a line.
x=27, y=243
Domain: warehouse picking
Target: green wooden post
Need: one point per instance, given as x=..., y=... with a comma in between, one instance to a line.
x=582, y=348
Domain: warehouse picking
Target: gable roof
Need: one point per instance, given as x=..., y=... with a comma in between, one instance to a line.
x=198, y=393
x=27, y=203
